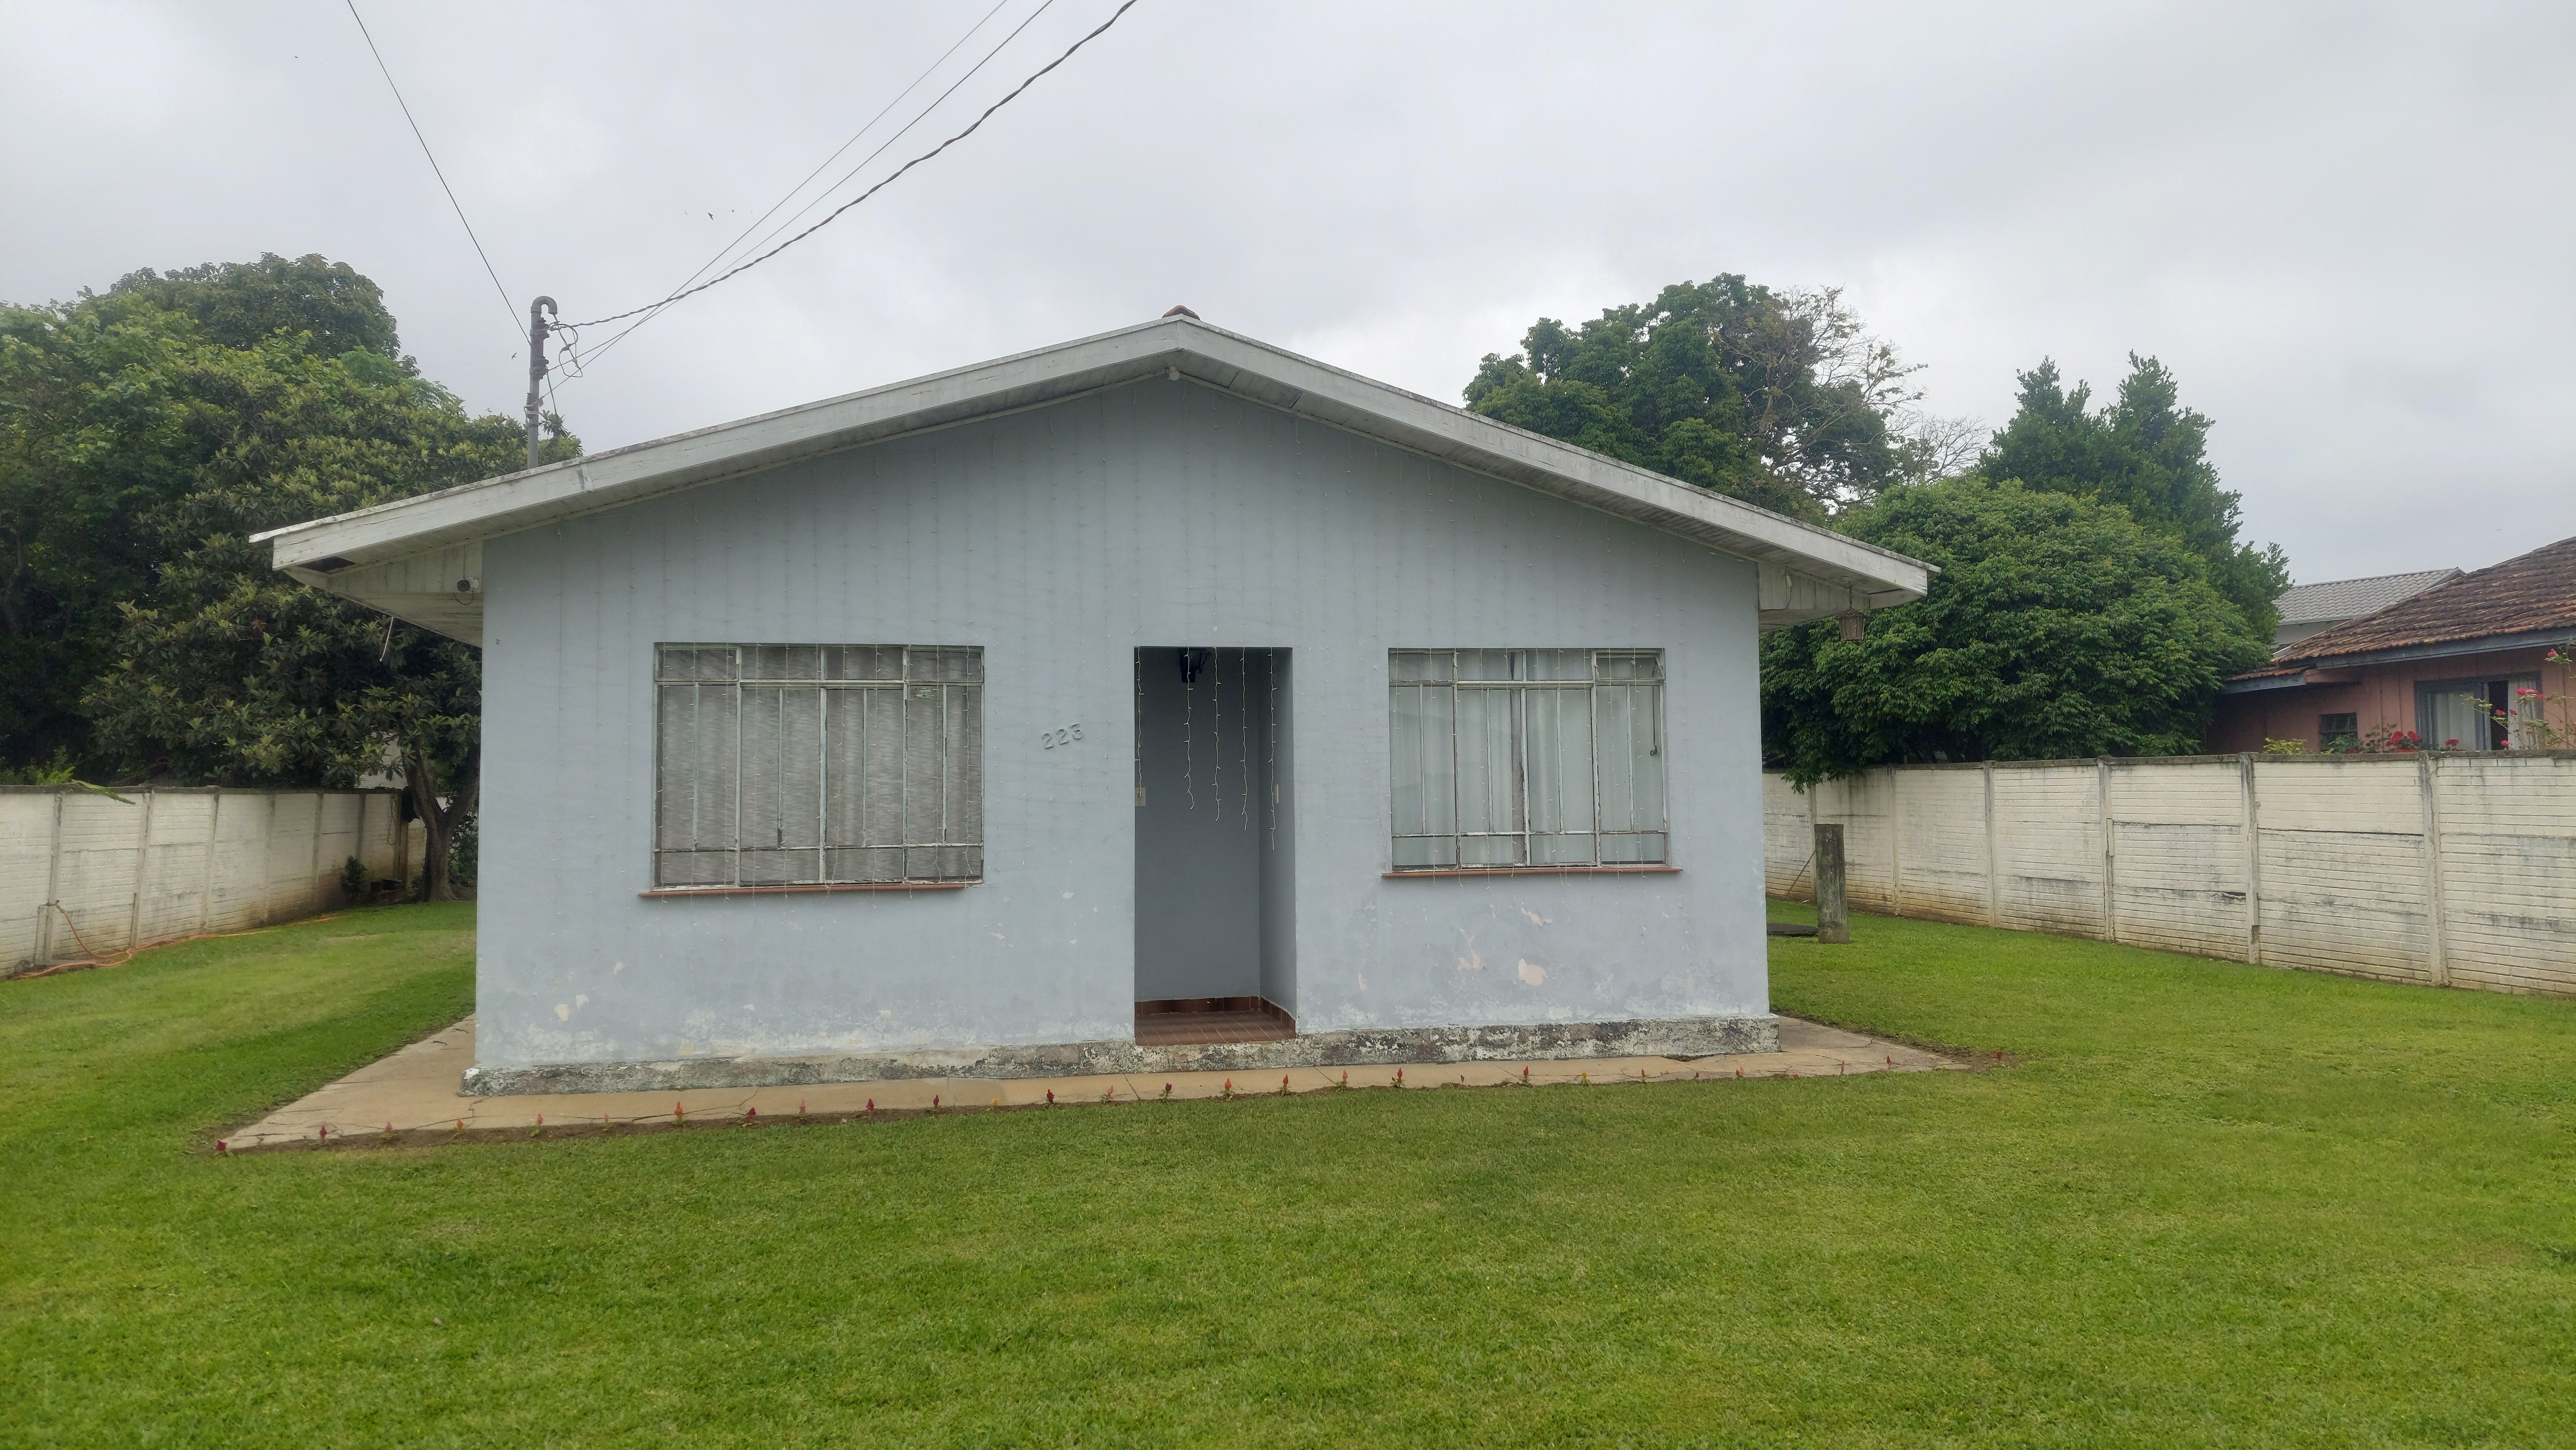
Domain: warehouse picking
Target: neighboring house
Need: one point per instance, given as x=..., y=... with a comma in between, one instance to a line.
x=1086, y=708
x=2308, y=608
x=2437, y=664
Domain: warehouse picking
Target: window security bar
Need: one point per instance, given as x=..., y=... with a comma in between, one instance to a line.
x=785, y=765
x=1505, y=758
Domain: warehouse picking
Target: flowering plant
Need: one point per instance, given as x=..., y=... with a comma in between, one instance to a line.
x=2384, y=738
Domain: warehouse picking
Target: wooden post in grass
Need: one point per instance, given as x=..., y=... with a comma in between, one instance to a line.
x=1833, y=911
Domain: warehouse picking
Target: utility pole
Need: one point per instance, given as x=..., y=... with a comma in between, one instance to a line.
x=537, y=330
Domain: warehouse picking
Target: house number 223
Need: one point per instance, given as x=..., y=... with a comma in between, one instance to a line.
x=1061, y=735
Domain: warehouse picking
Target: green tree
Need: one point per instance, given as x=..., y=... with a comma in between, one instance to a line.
x=147, y=433
x=236, y=304
x=109, y=407
x=1776, y=398
x=2058, y=626
x=2149, y=454
x=92, y=439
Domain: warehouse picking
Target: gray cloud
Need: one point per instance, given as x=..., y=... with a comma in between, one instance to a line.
x=2346, y=228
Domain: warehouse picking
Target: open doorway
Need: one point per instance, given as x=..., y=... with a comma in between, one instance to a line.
x=1215, y=859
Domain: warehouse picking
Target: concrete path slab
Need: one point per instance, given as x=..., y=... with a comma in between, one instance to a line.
x=411, y=1095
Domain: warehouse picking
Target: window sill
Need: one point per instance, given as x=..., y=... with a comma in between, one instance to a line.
x=666, y=893
x=1533, y=871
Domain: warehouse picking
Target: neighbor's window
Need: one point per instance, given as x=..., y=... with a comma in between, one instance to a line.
x=2477, y=714
x=2339, y=732
x=1527, y=757
x=800, y=764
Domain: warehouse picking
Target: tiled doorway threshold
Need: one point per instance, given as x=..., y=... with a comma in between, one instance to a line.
x=1198, y=1021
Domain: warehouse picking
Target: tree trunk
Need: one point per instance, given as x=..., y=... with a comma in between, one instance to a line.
x=439, y=821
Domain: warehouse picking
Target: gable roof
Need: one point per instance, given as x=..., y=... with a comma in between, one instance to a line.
x=2336, y=600
x=2526, y=600
x=420, y=558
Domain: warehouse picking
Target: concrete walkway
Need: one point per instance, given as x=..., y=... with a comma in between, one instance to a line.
x=412, y=1095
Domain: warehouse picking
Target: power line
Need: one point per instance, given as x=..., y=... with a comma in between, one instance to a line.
x=506, y=304
x=925, y=113
x=837, y=212
x=871, y=125
x=583, y=360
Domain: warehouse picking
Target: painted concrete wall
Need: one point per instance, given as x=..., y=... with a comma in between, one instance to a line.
x=1059, y=540
x=2447, y=869
x=84, y=874
x=2383, y=696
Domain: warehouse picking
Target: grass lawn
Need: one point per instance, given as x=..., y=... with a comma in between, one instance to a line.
x=2211, y=1204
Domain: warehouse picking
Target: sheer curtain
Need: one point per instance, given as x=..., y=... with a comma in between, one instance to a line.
x=2464, y=711
x=2451, y=719
x=1526, y=757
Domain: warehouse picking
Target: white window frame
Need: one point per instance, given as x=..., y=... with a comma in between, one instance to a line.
x=1517, y=830
x=911, y=809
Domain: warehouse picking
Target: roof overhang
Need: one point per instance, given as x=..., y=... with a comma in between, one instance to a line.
x=420, y=558
x=2337, y=669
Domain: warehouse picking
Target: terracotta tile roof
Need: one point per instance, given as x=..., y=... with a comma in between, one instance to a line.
x=2337, y=600
x=2534, y=591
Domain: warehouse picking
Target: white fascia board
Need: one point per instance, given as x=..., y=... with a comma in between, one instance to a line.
x=1181, y=346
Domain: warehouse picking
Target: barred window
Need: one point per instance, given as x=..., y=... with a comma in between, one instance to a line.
x=1527, y=757
x=800, y=764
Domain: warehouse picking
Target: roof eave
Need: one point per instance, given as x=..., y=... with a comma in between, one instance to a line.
x=2400, y=654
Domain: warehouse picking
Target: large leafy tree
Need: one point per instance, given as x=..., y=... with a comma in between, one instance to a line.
x=239, y=304
x=2149, y=454
x=1777, y=398
x=148, y=433
x=2058, y=626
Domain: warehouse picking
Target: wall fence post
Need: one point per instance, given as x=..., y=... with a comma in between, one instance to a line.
x=2110, y=851
x=2428, y=778
x=320, y=897
x=1895, y=842
x=46, y=913
x=142, y=874
x=1994, y=856
x=2253, y=863
x=214, y=841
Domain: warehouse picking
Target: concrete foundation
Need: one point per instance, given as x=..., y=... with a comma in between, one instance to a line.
x=1678, y=1037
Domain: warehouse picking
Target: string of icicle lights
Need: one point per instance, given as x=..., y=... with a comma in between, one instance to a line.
x=1189, y=661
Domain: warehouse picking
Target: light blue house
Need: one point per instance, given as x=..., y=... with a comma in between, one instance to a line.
x=1155, y=700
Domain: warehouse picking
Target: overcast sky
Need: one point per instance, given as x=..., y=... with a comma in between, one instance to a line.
x=2350, y=230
